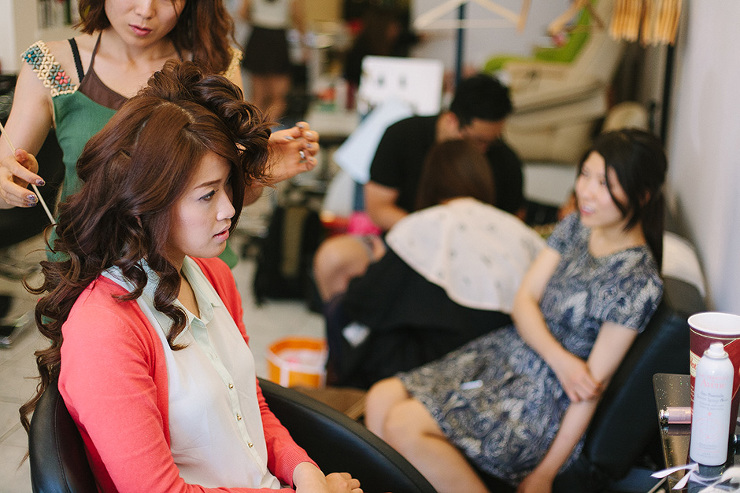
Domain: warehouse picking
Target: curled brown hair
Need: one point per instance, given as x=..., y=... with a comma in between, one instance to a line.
x=134, y=170
x=455, y=169
x=204, y=28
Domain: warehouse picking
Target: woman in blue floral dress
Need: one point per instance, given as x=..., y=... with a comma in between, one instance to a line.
x=516, y=402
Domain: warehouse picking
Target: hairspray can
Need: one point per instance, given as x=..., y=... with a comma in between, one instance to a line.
x=711, y=412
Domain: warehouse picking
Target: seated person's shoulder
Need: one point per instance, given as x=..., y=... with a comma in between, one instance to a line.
x=566, y=232
x=500, y=150
x=411, y=124
x=98, y=310
x=408, y=134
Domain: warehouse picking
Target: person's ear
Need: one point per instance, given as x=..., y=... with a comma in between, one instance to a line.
x=645, y=198
x=449, y=128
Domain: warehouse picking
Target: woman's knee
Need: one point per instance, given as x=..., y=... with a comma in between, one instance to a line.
x=341, y=250
x=336, y=261
x=408, y=421
x=380, y=399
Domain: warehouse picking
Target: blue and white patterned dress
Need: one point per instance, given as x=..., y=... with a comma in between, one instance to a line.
x=495, y=398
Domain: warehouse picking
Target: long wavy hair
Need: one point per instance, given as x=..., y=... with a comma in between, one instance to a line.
x=133, y=171
x=204, y=28
x=638, y=159
x=454, y=168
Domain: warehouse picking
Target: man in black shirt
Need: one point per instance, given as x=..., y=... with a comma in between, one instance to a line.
x=477, y=114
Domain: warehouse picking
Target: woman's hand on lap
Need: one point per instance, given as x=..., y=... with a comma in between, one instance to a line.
x=576, y=379
x=309, y=479
x=342, y=482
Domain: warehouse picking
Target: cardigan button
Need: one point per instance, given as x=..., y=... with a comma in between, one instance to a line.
x=238, y=417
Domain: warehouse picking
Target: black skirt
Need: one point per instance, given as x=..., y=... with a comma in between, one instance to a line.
x=411, y=320
x=266, y=52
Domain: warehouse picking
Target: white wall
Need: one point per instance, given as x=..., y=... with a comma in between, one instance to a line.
x=19, y=29
x=481, y=44
x=24, y=31
x=704, y=143
x=7, y=36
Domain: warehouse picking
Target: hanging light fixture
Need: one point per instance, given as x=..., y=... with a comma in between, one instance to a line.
x=652, y=22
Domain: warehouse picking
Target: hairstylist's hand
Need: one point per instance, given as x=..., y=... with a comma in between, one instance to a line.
x=576, y=378
x=293, y=151
x=378, y=247
x=309, y=479
x=16, y=172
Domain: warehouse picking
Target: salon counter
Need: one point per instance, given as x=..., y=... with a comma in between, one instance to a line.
x=672, y=390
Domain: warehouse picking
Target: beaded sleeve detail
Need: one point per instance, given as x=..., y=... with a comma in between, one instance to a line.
x=235, y=66
x=48, y=69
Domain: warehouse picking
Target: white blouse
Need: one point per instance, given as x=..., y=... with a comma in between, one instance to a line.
x=216, y=433
x=270, y=14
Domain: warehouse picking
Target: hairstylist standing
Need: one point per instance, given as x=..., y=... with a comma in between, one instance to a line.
x=75, y=86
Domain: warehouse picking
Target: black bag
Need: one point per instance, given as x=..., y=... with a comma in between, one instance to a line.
x=285, y=259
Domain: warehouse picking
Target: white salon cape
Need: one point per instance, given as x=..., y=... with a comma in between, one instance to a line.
x=216, y=433
x=477, y=253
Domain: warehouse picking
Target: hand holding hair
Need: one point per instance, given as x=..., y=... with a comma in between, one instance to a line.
x=293, y=151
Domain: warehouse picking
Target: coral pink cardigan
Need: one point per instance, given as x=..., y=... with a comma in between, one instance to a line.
x=114, y=382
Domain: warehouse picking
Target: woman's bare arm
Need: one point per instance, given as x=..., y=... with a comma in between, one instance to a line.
x=571, y=371
x=30, y=120
x=609, y=350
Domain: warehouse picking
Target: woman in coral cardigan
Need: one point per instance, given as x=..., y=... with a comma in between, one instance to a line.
x=147, y=339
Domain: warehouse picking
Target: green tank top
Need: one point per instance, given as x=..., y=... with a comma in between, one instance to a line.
x=76, y=117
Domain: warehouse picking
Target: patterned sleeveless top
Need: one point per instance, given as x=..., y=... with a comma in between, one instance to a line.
x=76, y=117
x=80, y=114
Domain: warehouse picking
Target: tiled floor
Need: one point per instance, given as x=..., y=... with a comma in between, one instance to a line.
x=265, y=324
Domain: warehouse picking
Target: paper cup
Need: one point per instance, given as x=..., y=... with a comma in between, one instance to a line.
x=709, y=327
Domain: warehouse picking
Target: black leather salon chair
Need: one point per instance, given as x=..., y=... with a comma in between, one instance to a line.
x=56, y=451
x=625, y=432
x=625, y=427
x=337, y=443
